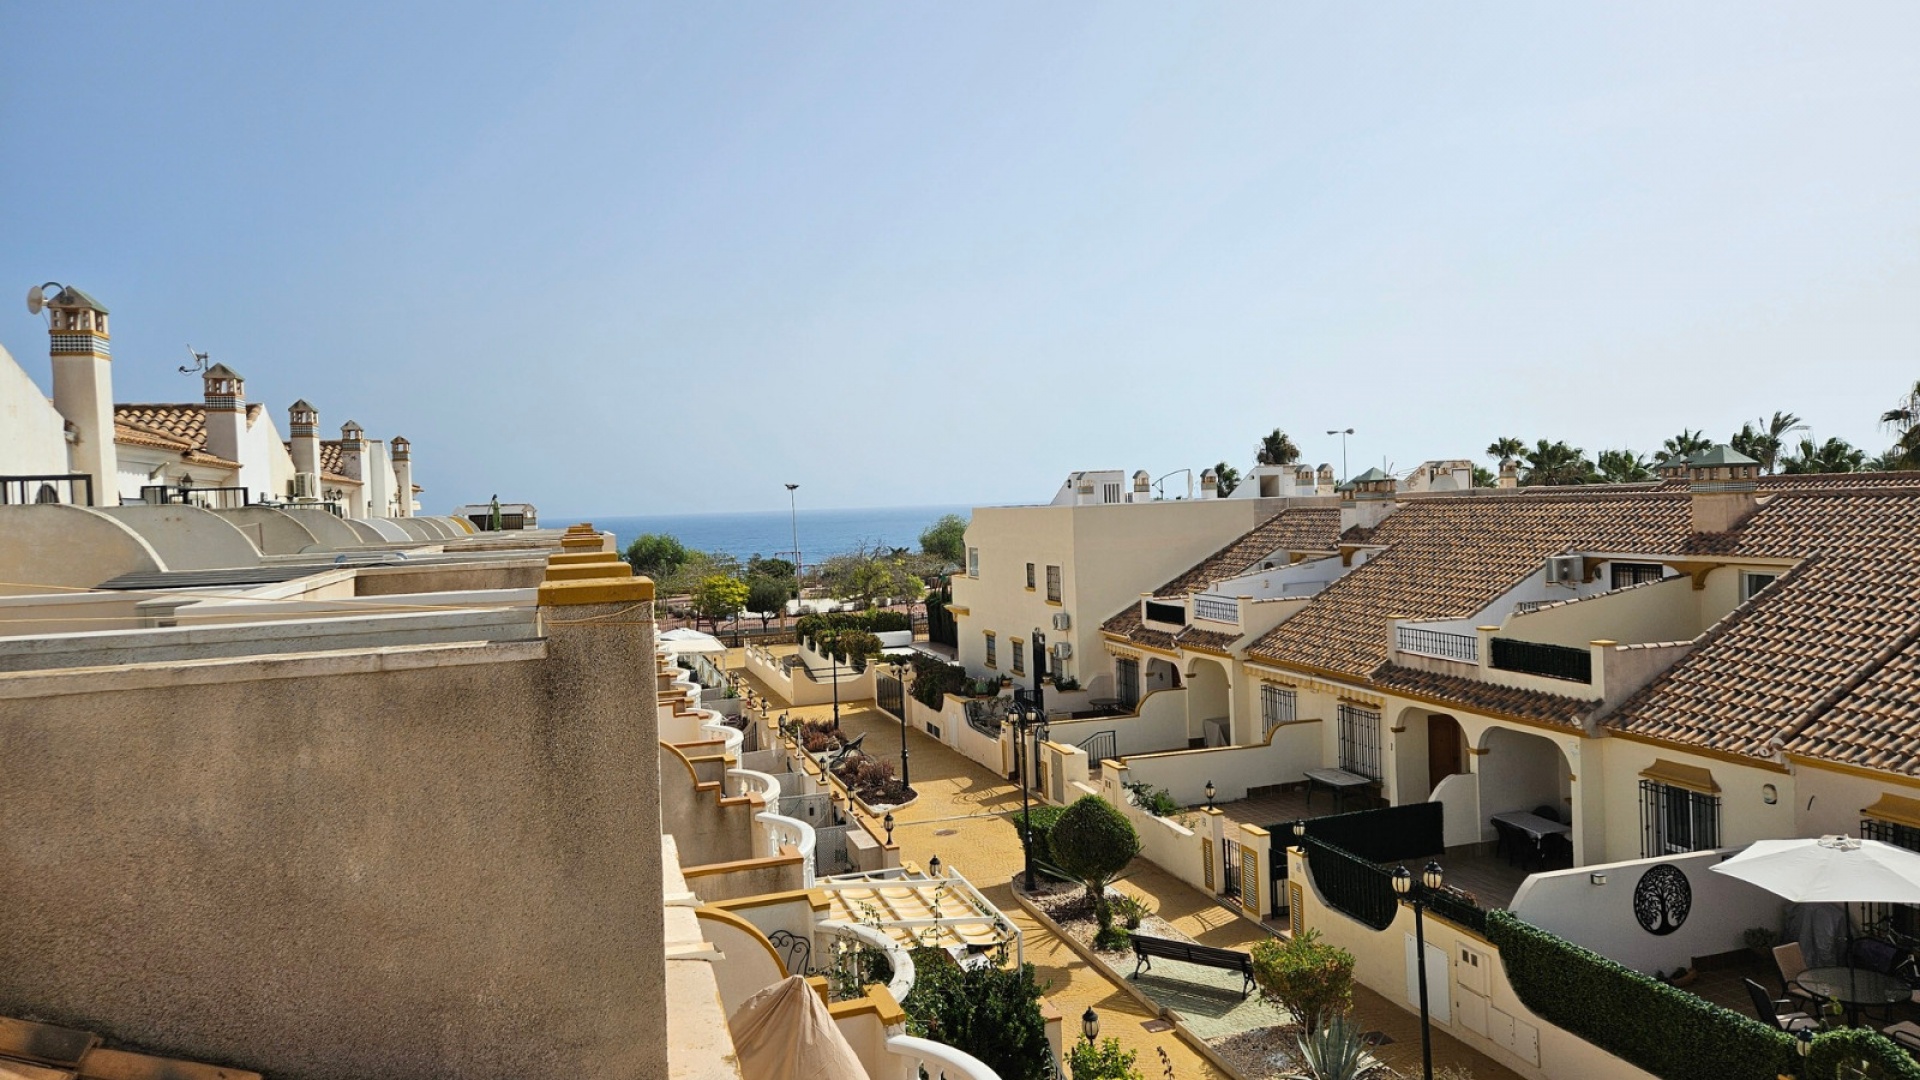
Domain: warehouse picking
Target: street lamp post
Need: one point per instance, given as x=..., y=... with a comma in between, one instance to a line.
x=1343, y=433
x=899, y=665
x=1430, y=880
x=1027, y=718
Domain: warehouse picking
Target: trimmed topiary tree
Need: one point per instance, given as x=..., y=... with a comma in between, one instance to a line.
x=1313, y=979
x=1094, y=842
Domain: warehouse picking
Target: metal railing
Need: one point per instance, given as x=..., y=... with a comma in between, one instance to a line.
x=1458, y=910
x=1353, y=886
x=214, y=498
x=1440, y=644
x=70, y=489
x=1551, y=661
x=1216, y=608
x=1101, y=746
x=1162, y=612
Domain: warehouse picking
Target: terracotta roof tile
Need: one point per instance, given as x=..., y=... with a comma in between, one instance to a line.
x=1534, y=705
x=1449, y=558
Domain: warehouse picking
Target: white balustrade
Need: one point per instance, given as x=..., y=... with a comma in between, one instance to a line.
x=753, y=781
x=938, y=1060
x=1214, y=607
x=791, y=831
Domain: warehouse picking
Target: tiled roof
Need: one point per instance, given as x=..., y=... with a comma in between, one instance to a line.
x=1567, y=712
x=179, y=428
x=1294, y=529
x=1816, y=659
x=1449, y=558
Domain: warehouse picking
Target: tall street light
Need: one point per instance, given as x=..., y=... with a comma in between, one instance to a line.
x=1027, y=718
x=793, y=516
x=899, y=665
x=1343, y=433
x=1430, y=880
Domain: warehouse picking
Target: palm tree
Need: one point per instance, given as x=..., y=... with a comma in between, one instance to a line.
x=1904, y=419
x=1764, y=443
x=1832, y=456
x=1623, y=467
x=1276, y=449
x=1506, y=448
x=1687, y=443
x=1556, y=463
x=1225, y=478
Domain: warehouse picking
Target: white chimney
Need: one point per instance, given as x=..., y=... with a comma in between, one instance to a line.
x=83, y=387
x=226, y=416
x=402, y=476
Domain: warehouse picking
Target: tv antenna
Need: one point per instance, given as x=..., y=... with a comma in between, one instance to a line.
x=37, y=297
x=199, y=362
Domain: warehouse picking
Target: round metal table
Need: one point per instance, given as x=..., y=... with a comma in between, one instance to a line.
x=1854, y=987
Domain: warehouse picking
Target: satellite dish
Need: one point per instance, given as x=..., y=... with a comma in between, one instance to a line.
x=36, y=299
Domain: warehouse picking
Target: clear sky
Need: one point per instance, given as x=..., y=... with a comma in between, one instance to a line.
x=628, y=258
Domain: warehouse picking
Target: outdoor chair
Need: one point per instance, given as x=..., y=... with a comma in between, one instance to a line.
x=1791, y=963
x=1508, y=841
x=1769, y=1012
x=1906, y=1034
x=1556, y=852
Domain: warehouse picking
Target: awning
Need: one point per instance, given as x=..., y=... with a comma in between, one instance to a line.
x=1674, y=774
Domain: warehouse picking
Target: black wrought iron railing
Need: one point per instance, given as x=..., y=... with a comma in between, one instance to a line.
x=1351, y=885
x=1171, y=614
x=70, y=489
x=212, y=498
x=1534, y=658
x=1458, y=910
x=986, y=715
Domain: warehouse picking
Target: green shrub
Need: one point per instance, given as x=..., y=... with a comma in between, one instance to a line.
x=934, y=679
x=1666, y=1031
x=1832, y=1049
x=1313, y=979
x=1112, y=939
x=1044, y=819
x=1156, y=801
x=1130, y=909
x=1106, y=1061
x=1094, y=842
x=990, y=1012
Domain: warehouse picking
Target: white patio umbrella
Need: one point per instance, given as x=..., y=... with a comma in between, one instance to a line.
x=688, y=640
x=1829, y=870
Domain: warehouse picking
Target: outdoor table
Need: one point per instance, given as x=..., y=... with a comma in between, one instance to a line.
x=1535, y=828
x=1854, y=987
x=1338, y=781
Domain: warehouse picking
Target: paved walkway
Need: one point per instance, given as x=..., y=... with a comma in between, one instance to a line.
x=960, y=816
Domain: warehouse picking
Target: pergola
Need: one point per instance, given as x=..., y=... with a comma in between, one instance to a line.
x=919, y=910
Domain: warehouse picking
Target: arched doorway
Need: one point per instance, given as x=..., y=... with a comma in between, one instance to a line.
x=1209, y=708
x=1428, y=747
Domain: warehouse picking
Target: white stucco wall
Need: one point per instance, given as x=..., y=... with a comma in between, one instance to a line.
x=33, y=438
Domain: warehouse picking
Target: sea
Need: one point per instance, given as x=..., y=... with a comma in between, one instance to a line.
x=823, y=533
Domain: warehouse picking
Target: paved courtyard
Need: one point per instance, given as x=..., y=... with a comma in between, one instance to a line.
x=961, y=817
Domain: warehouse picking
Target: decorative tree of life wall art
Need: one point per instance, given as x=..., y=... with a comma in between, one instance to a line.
x=1662, y=899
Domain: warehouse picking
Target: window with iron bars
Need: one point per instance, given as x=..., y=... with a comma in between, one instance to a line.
x=1674, y=821
x=1019, y=657
x=1635, y=573
x=1277, y=705
x=1029, y=575
x=1053, y=584
x=1126, y=674
x=993, y=650
x=1903, y=918
x=1360, y=741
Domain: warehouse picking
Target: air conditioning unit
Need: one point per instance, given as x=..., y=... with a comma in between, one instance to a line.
x=1564, y=570
x=1062, y=621
x=1062, y=650
x=306, y=485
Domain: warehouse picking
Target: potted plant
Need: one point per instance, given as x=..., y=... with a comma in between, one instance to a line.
x=1760, y=940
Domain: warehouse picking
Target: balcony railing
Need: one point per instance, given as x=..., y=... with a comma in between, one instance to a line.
x=1352, y=885
x=1216, y=608
x=71, y=489
x=1162, y=612
x=1551, y=661
x=938, y=1061
x=1442, y=644
x=216, y=498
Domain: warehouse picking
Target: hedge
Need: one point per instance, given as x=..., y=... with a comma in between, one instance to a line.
x=1666, y=1031
x=1044, y=819
x=1833, y=1049
x=934, y=679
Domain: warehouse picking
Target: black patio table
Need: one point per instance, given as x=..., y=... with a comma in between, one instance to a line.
x=1855, y=988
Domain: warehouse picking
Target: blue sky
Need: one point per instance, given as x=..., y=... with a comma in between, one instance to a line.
x=660, y=258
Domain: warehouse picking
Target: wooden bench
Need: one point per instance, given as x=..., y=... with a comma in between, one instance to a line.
x=1145, y=949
